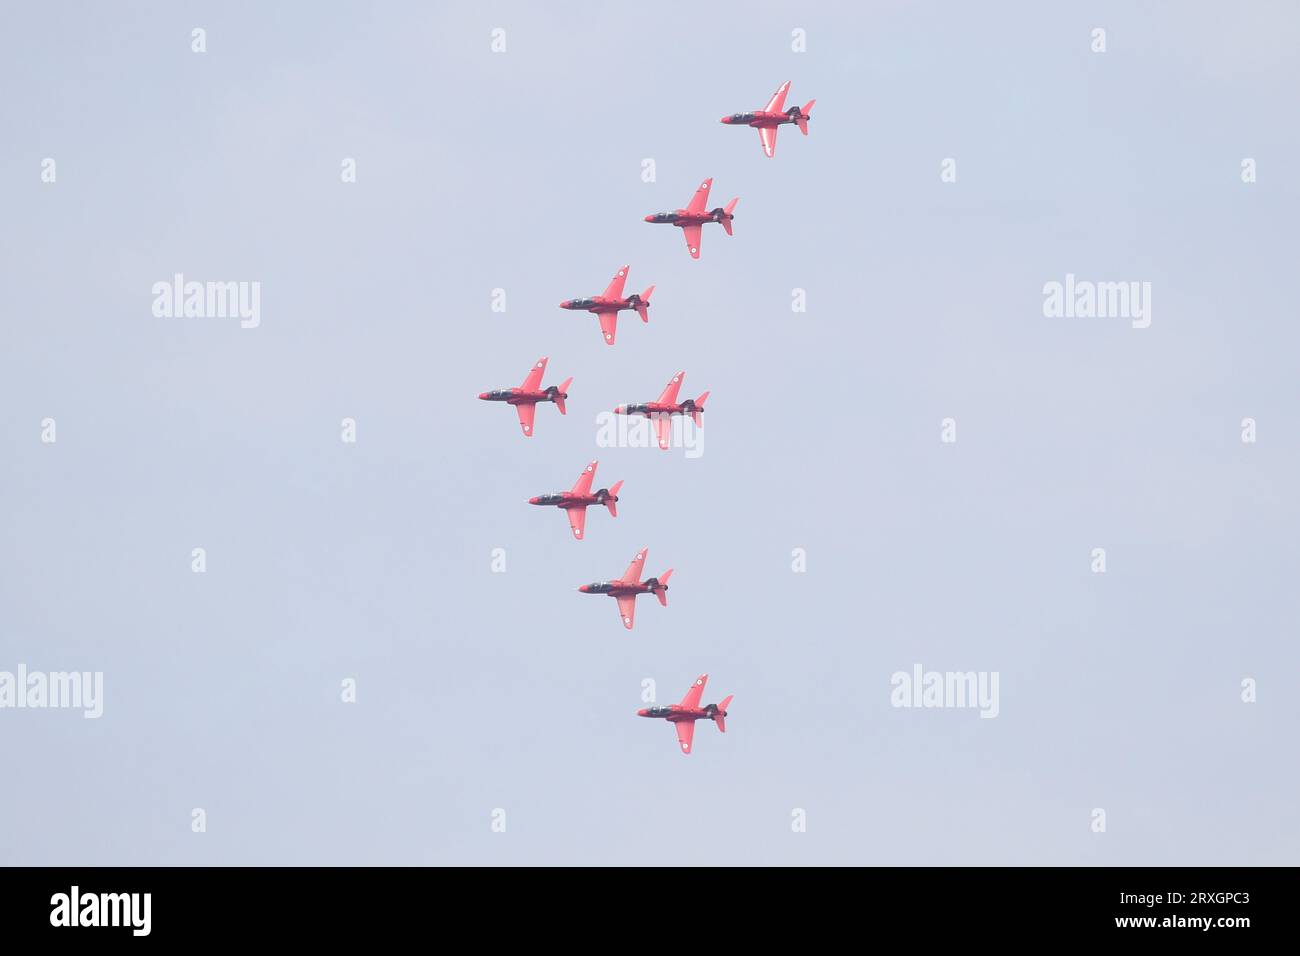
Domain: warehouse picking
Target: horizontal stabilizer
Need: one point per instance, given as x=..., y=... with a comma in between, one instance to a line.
x=720, y=718
x=698, y=415
x=729, y=209
x=661, y=592
x=803, y=117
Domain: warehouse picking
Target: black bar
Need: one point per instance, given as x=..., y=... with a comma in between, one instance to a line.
x=374, y=904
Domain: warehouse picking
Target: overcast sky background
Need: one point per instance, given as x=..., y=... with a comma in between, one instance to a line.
x=522, y=171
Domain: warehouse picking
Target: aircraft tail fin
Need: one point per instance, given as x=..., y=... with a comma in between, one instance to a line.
x=720, y=716
x=803, y=117
x=561, y=394
x=611, y=501
x=661, y=592
x=698, y=415
x=643, y=307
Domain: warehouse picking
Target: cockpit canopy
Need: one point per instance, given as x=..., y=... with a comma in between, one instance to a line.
x=659, y=709
x=742, y=117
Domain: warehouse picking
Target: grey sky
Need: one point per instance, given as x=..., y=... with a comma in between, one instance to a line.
x=522, y=171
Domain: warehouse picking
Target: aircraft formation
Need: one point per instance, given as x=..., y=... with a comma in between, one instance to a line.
x=606, y=306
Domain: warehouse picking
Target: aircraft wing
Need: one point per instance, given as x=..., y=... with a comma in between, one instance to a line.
x=777, y=103
x=692, y=698
x=608, y=325
x=692, y=234
x=633, y=572
x=664, y=429
x=534, y=379
x=583, y=485
x=669, y=395
x=685, y=734
x=577, y=520
x=526, y=412
x=767, y=134
x=627, y=610
x=615, y=288
x=701, y=198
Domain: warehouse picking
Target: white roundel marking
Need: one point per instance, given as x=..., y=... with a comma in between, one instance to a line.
x=608, y=336
x=704, y=185
x=674, y=379
x=620, y=275
x=698, y=683
x=577, y=533
x=693, y=249
x=539, y=364
x=589, y=467
x=525, y=428
x=627, y=620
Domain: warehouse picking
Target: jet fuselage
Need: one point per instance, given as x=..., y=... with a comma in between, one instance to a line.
x=657, y=408
x=677, y=713
x=681, y=217
x=620, y=588
x=518, y=396
x=567, y=499
x=598, y=303
x=759, y=118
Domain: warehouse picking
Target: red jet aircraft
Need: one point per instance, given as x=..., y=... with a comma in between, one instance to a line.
x=576, y=500
x=626, y=588
x=770, y=117
x=609, y=303
x=691, y=220
x=662, y=410
x=684, y=715
x=526, y=396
